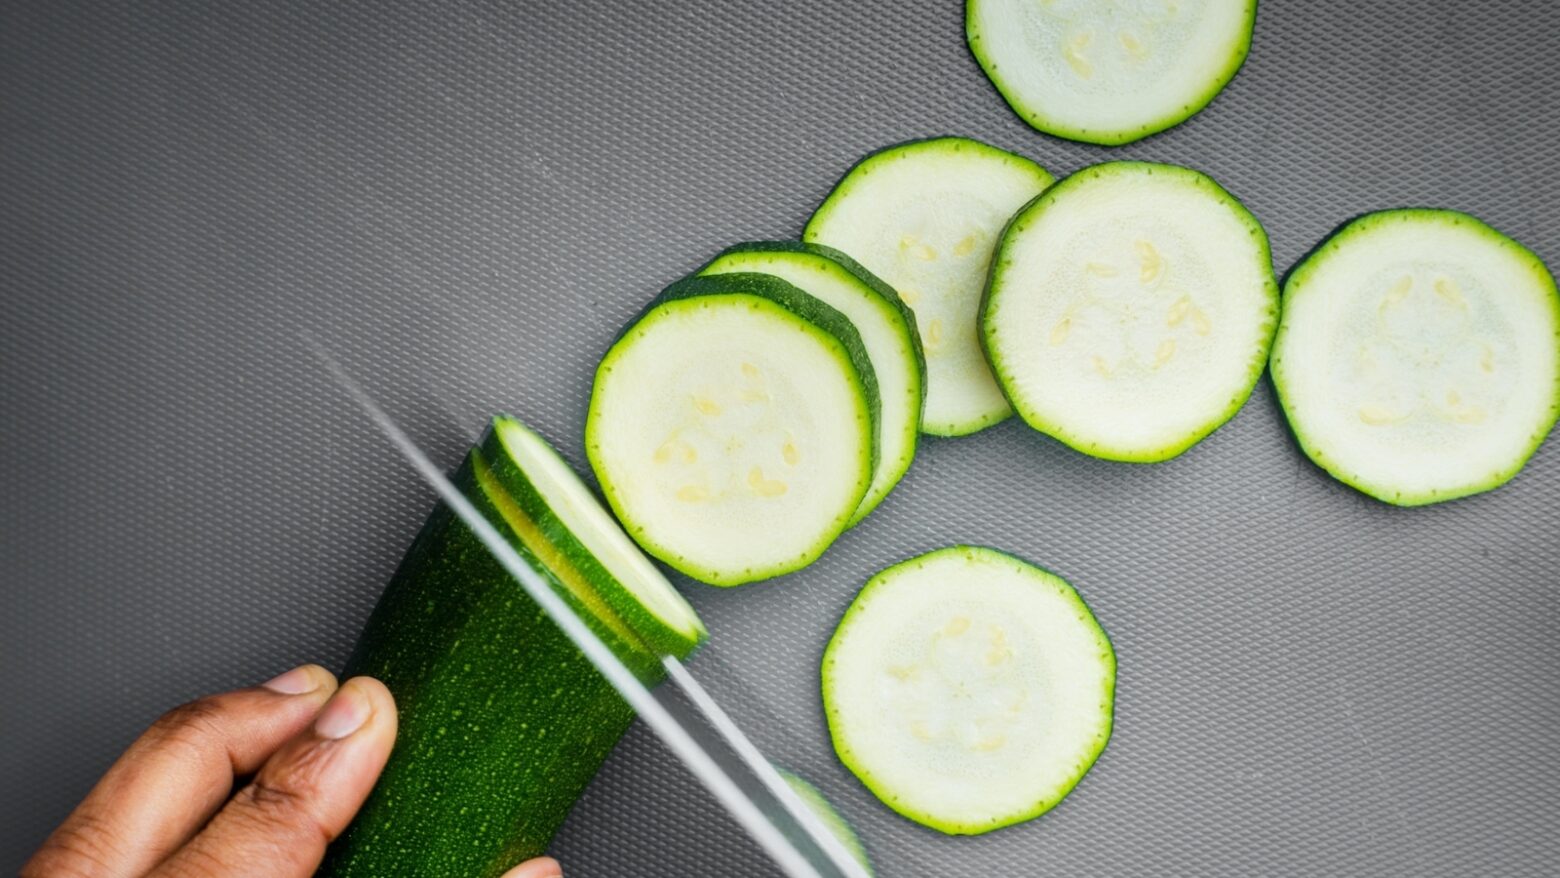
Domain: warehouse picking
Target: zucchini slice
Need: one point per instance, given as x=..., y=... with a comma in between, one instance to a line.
x=831, y=818
x=503, y=722
x=887, y=330
x=1109, y=72
x=924, y=216
x=969, y=690
x=1418, y=359
x=1130, y=310
x=557, y=510
x=733, y=427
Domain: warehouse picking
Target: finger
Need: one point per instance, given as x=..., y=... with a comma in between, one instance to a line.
x=171, y=780
x=541, y=867
x=302, y=798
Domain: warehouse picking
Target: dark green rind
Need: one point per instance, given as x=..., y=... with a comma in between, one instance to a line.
x=503, y=722
x=760, y=292
x=887, y=295
x=654, y=634
x=1294, y=285
x=884, y=794
x=884, y=291
x=1017, y=225
x=893, y=152
x=1038, y=120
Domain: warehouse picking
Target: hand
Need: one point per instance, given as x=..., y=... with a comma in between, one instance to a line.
x=167, y=808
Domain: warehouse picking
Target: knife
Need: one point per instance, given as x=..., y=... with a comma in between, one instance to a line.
x=698, y=732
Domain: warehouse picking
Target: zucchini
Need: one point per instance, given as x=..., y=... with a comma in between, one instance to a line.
x=733, y=427
x=924, y=217
x=1418, y=359
x=969, y=690
x=1130, y=310
x=564, y=514
x=887, y=330
x=831, y=818
x=1109, y=73
x=503, y=722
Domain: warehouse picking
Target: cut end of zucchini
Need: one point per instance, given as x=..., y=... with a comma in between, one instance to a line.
x=1130, y=310
x=969, y=690
x=588, y=537
x=731, y=431
x=1109, y=73
x=924, y=216
x=1418, y=359
x=887, y=330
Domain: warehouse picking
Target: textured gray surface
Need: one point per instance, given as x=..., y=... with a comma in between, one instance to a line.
x=467, y=199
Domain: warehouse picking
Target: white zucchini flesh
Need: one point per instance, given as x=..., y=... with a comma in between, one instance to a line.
x=969, y=690
x=1109, y=71
x=924, y=217
x=732, y=437
x=888, y=336
x=1130, y=310
x=1418, y=359
x=584, y=518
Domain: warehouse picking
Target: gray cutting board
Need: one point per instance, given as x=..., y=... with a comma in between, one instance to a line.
x=467, y=199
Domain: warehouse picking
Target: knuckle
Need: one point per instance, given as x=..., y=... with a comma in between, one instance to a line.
x=189, y=724
x=193, y=730
x=281, y=811
x=202, y=715
x=85, y=845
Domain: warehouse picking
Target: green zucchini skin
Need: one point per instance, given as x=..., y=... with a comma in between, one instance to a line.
x=855, y=269
x=503, y=722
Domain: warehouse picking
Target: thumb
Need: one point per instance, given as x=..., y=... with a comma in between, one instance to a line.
x=302, y=798
x=541, y=867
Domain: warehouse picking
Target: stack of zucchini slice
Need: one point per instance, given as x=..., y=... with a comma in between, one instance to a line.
x=756, y=410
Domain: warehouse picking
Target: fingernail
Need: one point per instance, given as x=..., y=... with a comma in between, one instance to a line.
x=345, y=713
x=295, y=682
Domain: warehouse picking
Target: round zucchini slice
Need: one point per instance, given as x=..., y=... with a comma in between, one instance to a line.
x=924, y=216
x=562, y=523
x=1130, y=310
x=733, y=427
x=1418, y=359
x=887, y=330
x=1109, y=72
x=969, y=690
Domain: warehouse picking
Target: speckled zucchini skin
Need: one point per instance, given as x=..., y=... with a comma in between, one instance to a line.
x=503, y=722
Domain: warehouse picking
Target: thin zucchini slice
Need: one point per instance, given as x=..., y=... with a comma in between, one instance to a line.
x=733, y=427
x=969, y=690
x=1130, y=310
x=1418, y=359
x=924, y=217
x=503, y=722
x=558, y=511
x=887, y=330
x=1109, y=71
x=831, y=818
